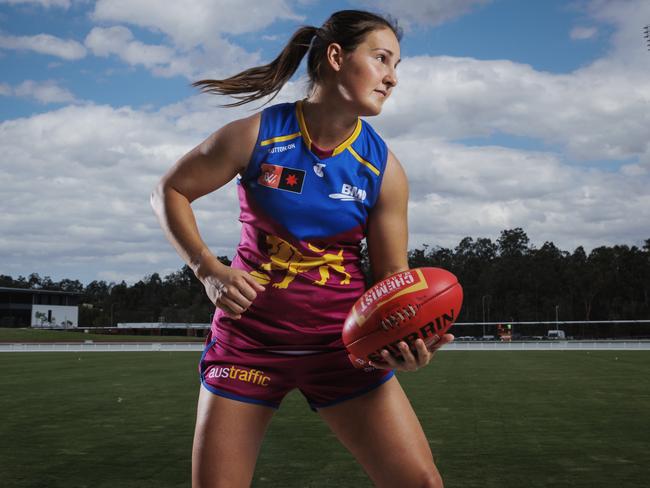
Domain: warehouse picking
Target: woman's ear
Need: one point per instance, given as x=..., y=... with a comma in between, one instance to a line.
x=334, y=55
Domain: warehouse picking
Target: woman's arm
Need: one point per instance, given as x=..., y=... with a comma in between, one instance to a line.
x=387, y=240
x=204, y=169
x=387, y=235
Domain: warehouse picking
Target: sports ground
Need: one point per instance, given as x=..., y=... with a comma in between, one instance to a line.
x=494, y=419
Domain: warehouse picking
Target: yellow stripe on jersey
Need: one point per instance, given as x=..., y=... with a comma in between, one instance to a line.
x=280, y=139
x=307, y=138
x=302, y=125
x=363, y=161
x=346, y=144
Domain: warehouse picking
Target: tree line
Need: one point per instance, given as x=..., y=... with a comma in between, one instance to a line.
x=508, y=280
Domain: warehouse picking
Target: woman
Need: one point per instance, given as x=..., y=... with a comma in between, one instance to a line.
x=314, y=180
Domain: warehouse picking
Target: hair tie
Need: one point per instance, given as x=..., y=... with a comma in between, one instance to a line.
x=317, y=35
x=311, y=42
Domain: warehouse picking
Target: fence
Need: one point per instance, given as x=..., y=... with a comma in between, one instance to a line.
x=459, y=345
x=101, y=347
x=576, y=330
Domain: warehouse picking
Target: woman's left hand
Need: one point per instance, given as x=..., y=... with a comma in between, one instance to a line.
x=410, y=361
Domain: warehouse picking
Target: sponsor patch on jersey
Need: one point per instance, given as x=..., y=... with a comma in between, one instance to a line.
x=281, y=178
x=349, y=193
x=318, y=169
x=281, y=149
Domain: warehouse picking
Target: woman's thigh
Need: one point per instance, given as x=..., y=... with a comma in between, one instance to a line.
x=227, y=441
x=383, y=433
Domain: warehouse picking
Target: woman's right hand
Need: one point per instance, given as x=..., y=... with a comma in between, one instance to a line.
x=230, y=289
x=207, y=167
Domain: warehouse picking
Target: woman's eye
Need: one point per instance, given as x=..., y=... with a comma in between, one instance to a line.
x=381, y=57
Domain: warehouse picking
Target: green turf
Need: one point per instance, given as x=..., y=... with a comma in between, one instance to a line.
x=494, y=419
x=78, y=335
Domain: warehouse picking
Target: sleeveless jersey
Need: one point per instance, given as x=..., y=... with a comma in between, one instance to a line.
x=303, y=220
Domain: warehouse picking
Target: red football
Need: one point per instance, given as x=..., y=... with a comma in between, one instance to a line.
x=418, y=303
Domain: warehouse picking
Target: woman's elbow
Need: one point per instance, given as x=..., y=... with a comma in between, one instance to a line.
x=156, y=197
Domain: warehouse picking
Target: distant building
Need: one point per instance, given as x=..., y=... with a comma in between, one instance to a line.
x=26, y=307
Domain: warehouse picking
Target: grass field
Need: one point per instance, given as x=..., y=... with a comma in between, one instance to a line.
x=494, y=419
x=26, y=335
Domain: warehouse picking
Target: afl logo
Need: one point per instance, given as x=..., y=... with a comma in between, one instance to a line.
x=281, y=178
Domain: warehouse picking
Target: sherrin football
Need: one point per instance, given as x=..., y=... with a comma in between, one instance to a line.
x=417, y=303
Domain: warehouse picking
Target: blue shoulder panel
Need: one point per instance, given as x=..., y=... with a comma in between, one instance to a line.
x=312, y=198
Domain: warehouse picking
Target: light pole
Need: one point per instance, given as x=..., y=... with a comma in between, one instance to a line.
x=483, y=307
x=557, y=308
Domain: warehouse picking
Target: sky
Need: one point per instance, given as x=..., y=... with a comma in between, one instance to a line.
x=507, y=114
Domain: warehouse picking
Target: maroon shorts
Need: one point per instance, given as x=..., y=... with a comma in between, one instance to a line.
x=264, y=377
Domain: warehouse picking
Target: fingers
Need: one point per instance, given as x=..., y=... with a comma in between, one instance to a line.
x=236, y=294
x=412, y=360
x=408, y=361
x=230, y=308
x=253, y=283
x=380, y=365
x=445, y=339
x=423, y=353
x=241, y=292
x=422, y=356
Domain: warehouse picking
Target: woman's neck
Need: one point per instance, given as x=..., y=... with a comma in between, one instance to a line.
x=327, y=126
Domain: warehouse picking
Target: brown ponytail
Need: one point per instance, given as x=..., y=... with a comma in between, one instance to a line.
x=347, y=28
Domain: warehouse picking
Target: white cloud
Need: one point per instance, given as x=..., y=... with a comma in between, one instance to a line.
x=76, y=185
x=119, y=41
x=92, y=169
x=628, y=48
x=45, y=44
x=582, y=33
x=595, y=115
x=44, y=92
x=5, y=90
x=459, y=191
x=190, y=23
x=432, y=12
x=65, y=4
x=77, y=180
x=220, y=59
x=195, y=30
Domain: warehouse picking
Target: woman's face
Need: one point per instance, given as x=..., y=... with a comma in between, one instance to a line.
x=367, y=75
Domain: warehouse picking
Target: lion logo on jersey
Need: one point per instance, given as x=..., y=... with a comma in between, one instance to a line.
x=285, y=257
